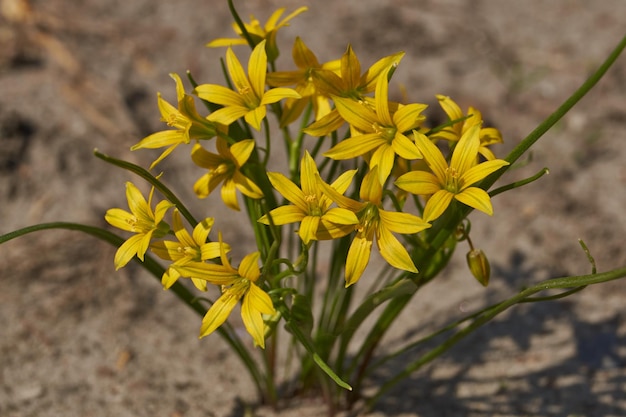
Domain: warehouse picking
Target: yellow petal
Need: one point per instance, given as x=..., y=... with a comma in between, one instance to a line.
x=450, y=107
x=211, y=250
x=213, y=273
x=240, y=80
x=355, y=146
x=368, y=80
x=277, y=94
x=308, y=175
x=383, y=158
x=255, y=117
x=356, y=114
x=358, y=257
x=476, y=198
x=227, y=115
x=257, y=68
x=255, y=303
x=466, y=151
x=382, y=100
x=202, y=230
x=137, y=203
x=437, y=204
x=393, y=252
x=229, y=194
x=404, y=147
x=308, y=228
x=170, y=276
x=327, y=124
x=371, y=187
x=161, y=139
x=419, y=183
x=249, y=267
x=340, y=216
x=409, y=117
x=218, y=313
x=246, y=186
x=432, y=155
x=480, y=171
x=284, y=215
x=350, y=68
x=288, y=189
x=121, y=219
x=303, y=57
x=404, y=223
x=342, y=182
x=204, y=158
x=181, y=233
x=221, y=42
x=241, y=151
x=128, y=250
x=219, y=94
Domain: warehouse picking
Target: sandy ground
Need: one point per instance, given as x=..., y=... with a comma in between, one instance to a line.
x=78, y=339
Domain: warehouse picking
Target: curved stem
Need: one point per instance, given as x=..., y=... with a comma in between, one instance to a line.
x=152, y=266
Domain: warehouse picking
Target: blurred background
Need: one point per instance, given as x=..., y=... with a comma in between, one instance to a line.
x=79, y=339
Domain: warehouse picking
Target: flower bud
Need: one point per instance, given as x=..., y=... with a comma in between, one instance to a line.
x=479, y=266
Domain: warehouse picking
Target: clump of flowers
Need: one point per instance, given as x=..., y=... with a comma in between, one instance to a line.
x=360, y=171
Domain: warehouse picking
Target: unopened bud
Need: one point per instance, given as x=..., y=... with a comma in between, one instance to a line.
x=479, y=266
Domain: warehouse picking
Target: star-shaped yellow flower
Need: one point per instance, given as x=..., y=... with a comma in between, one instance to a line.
x=141, y=220
x=350, y=84
x=310, y=206
x=445, y=182
x=250, y=98
x=488, y=135
x=380, y=131
x=259, y=33
x=189, y=248
x=375, y=222
x=224, y=167
x=188, y=123
x=236, y=284
x=302, y=78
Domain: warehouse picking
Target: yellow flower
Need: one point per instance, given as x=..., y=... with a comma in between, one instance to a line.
x=451, y=182
x=350, y=84
x=380, y=131
x=259, y=33
x=488, y=135
x=250, y=98
x=376, y=222
x=141, y=220
x=236, y=284
x=189, y=248
x=310, y=206
x=188, y=123
x=224, y=167
x=302, y=78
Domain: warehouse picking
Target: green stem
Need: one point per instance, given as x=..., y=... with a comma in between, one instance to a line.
x=143, y=173
x=152, y=266
x=488, y=314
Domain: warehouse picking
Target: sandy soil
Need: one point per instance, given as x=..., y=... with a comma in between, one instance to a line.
x=79, y=339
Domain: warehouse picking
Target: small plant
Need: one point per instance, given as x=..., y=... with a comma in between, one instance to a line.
x=361, y=171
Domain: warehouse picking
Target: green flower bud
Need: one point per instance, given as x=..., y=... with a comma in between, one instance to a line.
x=479, y=266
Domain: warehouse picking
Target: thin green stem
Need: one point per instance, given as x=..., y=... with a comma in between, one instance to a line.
x=488, y=314
x=143, y=173
x=152, y=266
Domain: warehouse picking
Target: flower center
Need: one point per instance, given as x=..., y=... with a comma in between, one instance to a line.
x=249, y=97
x=387, y=133
x=313, y=204
x=452, y=180
x=368, y=219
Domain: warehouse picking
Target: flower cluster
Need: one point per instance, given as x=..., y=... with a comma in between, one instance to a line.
x=388, y=153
